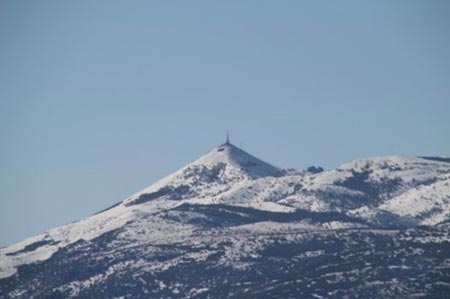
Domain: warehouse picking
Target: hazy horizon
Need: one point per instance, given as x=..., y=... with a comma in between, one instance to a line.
x=98, y=100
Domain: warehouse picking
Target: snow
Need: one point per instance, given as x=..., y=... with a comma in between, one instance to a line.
x=243, y=180
x=8, y=264
x=239, y=166
x=431, y=203
x=195, y=292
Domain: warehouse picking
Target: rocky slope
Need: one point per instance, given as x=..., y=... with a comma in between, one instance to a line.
x=229, y=225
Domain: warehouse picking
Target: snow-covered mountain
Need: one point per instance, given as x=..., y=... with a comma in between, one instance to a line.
x=231, y=225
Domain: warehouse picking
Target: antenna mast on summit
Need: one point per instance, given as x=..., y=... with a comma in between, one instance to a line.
x=228, y=137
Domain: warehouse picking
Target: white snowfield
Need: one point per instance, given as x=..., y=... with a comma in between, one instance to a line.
x=410, y=188
x=429, y=204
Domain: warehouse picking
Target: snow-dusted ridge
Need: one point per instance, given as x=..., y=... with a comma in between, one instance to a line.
x=415, y=190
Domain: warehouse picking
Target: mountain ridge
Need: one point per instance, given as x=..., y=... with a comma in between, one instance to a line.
x=228, y=189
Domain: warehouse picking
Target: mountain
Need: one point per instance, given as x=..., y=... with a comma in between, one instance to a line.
x=230, y=225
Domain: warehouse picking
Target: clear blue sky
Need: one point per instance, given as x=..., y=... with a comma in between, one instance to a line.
x=100, y=98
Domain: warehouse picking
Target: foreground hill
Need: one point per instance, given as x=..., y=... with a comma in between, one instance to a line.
x=229, y=225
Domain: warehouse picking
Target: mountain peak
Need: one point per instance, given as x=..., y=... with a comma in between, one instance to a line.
x=234, y=156
x=215, y=171
x=197, y=220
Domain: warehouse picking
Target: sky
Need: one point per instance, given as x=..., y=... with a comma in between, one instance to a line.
x=99, y=99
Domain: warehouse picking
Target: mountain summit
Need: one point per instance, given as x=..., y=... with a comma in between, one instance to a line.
x=209, y=175
x=232, y=156
x=229, y=225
